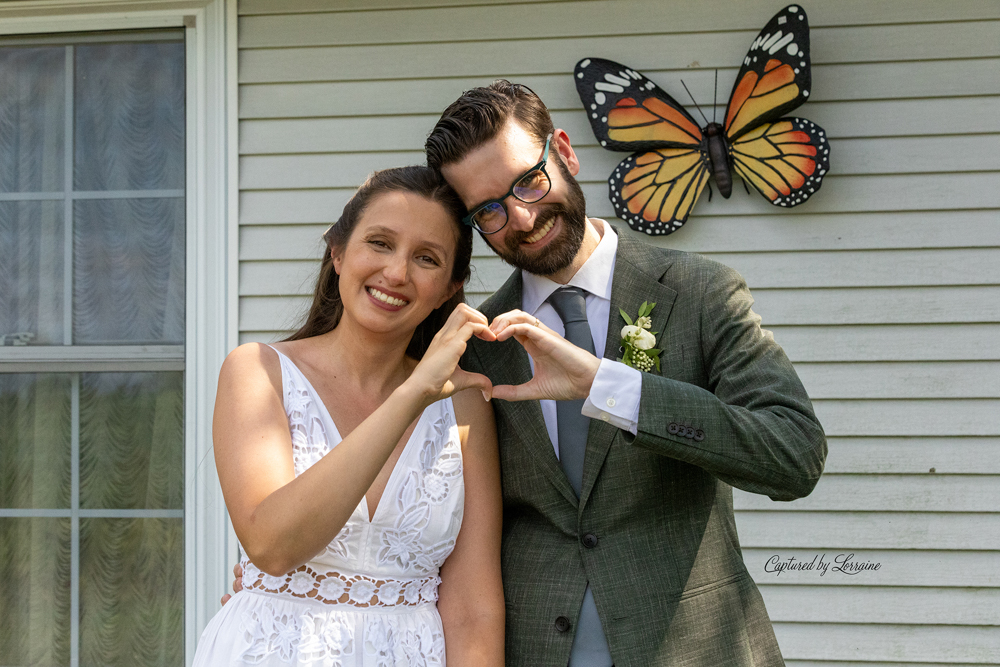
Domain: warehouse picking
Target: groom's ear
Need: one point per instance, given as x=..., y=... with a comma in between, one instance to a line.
x=560, y=141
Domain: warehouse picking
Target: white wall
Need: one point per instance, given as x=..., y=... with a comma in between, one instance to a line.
x=884, y=288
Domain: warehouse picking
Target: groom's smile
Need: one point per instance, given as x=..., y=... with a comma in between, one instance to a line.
x=543, y=228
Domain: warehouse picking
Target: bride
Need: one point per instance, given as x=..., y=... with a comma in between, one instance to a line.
x=359, y=463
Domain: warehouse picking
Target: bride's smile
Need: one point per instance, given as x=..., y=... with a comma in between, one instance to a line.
x=389, y=300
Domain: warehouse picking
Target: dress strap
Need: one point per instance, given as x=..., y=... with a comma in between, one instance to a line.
x=287, y=376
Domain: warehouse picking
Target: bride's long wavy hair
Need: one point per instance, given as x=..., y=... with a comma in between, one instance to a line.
x=327, y=307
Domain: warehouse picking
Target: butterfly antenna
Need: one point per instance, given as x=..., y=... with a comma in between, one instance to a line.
x=715, y=100
x=692, y=99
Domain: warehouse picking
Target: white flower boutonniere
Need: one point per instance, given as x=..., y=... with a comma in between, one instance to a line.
x=637, y=341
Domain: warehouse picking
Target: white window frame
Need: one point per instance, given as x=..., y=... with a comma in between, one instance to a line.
x=211, y=247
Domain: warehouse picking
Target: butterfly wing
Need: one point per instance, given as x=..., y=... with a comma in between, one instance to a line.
x=628, y=112
x=785, y=161
x=655, y=191
x=775, y=77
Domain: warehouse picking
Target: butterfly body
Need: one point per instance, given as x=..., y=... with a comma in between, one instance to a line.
x=673, y=158
x=718, y=155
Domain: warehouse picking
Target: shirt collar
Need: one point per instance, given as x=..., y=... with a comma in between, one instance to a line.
x=594, y=276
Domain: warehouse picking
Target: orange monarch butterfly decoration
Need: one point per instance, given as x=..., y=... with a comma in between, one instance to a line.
x=655, y=188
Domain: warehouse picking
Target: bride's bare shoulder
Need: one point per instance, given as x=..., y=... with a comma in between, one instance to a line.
x=251, y=362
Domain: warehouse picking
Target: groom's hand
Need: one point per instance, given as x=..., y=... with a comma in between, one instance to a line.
x=237, y=583
x=563, y=371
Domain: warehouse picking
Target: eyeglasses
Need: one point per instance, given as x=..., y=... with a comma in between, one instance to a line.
x=491, y=216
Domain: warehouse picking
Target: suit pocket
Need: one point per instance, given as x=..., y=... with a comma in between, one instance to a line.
x=707, y=588
x=709, y=627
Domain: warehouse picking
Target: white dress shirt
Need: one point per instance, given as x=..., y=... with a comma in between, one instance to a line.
x=614, y=396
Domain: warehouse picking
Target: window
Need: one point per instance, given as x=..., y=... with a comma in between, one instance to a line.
x=93, y=285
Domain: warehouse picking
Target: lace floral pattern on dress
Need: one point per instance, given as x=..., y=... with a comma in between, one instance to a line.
x=335, y=588
x=296, y=638
x=440, y=467
x=310, y=443
x=391, y=645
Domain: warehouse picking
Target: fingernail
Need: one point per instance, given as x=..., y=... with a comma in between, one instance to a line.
x=486, y=396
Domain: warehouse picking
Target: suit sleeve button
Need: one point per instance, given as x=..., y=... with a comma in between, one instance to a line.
x=590, y=540
x=673, y=428
x=562, y=624
x=699, y=435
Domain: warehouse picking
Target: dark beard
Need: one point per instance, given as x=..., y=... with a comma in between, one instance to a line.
x=561, y=251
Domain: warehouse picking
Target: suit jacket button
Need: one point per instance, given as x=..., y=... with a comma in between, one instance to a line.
x=673, y=428
x=699, y=435
x=562, y=624
x=590, y=540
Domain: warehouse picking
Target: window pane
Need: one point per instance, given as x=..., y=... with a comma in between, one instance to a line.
x=129, y=112
x=34, y=591
x=128, y=273
x=32, y=118
x=31, y=272
x=35, y=446
x=132, y=440
x=131, y=592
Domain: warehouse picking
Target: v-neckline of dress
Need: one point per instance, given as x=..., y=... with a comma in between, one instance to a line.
x=325, y=412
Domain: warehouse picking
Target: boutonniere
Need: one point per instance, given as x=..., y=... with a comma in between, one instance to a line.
x=637, y=341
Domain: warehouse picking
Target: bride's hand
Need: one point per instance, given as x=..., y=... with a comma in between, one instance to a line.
x=437, y=375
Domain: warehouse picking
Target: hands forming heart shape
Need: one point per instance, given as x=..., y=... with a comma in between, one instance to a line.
x=563, y=371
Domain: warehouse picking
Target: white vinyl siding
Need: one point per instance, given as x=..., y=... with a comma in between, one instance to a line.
x=884, y=288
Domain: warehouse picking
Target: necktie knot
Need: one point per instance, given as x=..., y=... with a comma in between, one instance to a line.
x=570, y=304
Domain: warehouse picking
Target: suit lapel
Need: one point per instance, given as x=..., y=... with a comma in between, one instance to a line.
x=638, y=268
x=508, y=364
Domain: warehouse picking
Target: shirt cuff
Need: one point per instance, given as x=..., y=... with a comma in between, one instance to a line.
x=614, y=396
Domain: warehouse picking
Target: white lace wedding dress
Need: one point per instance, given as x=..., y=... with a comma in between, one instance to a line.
x=369, y=599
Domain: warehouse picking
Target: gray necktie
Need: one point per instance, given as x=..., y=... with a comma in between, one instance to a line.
x=590, y=646
x=570, y=303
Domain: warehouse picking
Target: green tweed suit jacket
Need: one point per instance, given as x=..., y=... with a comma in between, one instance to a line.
x=653, y=530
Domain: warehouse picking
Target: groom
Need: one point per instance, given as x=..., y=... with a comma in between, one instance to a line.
x=619, y=543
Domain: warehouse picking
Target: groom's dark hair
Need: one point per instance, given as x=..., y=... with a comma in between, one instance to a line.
x=479, y=115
